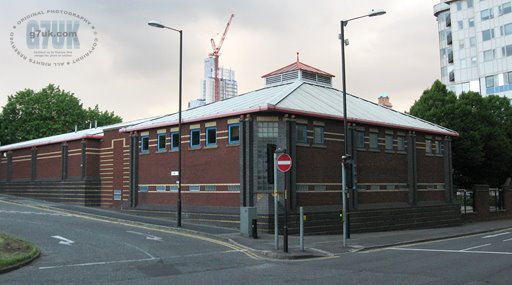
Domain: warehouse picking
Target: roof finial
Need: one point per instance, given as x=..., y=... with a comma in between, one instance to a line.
x=297, y=56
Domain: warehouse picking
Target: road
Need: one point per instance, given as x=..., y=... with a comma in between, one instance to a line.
x=84, y=250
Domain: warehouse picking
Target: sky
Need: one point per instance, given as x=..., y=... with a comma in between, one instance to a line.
x=132, y=69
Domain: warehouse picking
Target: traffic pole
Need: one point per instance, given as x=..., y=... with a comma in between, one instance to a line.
x=276, y=230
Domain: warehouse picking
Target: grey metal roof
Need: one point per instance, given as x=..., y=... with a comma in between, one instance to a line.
x=301, y=98
x=78, y=135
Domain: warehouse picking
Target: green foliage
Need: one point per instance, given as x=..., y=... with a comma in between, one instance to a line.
x=483, y=151
x=51, y=111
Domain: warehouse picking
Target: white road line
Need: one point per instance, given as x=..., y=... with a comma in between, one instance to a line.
x=137, y=260
x=33, y=213
x=97, y=263
x=507, y=239
x=150, y=237
x=496, y=235
x=450, y=251
x=63, y=240
x=479, y=246
x=140, y=249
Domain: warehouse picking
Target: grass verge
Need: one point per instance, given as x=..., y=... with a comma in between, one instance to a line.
x=15, y=252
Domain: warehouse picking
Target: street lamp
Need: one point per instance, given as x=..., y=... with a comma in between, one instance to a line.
x=159, y=25
x=346, y=156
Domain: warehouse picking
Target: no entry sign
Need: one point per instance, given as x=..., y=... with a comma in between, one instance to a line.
x=284, y=162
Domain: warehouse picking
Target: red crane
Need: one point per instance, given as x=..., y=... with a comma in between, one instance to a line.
x=215, y=55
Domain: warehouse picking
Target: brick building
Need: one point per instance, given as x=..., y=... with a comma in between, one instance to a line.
x=399, y=162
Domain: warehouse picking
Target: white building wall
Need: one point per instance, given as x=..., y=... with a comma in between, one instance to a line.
x=472, y=68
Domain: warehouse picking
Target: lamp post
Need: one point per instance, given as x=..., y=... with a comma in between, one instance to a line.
x=346, y=156
x=159, y=25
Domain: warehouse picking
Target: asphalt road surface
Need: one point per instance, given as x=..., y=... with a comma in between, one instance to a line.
x=83, y=250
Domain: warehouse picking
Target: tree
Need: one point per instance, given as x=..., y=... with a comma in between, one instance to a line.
x=51, y=111
x=483, y=151
x=101, y=118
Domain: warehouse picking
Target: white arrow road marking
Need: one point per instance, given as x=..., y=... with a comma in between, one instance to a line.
x=496, y=235
x=64, y=240
x=150, y=237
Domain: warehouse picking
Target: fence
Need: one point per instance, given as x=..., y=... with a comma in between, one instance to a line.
x=466, y=201
x=496, y=200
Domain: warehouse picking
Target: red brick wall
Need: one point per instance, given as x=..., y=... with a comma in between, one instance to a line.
x=199, y=166
x=431, y=166
x=3, y=167
x=318, y=198
x=430, y=195
x=93, y=158
x=49, y=162
x=384, y=196
x=192, y=199
x=74, y=159
x=114, y=167
x=21, y=164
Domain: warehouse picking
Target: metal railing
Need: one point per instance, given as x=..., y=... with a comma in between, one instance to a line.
x=496, y=199
x=466, y=201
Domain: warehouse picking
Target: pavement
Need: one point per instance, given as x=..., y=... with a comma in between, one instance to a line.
x=315, y=246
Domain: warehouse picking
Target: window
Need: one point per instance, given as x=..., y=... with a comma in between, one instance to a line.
x=318, y=135
x=506, y=30
x=301, y=131
x=161, y=188
x=400, y=143
x=507, y=77
x=506, y=50
x=210, y=188
x=173, y=188
x=470, y=3
x=234, y=133
x=389, y=142
x=505, y=8
x=234, y=187
x=491, y=81
x=360, y=139
x=462, y=63
x=374, y=141
x=438, y=147
x=461, y=44
x=144, y=144
x=428, y=146
x=459, y=5
x=118, y=195
x=143, y=188
x=471, y=22
x=320, y=187
x=489, y=55
x=474, y=61
x=161, y=142
x=460, y=24
x=175, y=140
x=472, y=41
x=194, y=188
x=486, y=14
x=195, y=141
x=211, y=136
x=487, y=34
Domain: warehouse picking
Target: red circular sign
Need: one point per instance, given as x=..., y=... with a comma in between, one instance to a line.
x=284, y=162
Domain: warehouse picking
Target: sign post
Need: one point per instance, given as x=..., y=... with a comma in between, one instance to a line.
x=284, y=164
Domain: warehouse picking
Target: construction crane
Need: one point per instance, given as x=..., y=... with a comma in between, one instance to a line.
x=215, y=54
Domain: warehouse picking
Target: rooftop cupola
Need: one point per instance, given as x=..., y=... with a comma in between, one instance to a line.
x=298, y=71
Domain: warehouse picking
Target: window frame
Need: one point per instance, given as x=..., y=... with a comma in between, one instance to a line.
x=158, y=148
x=304, y=133
x=172, y=147
x=208, y=136
x=488, y=34
x=230, y=131
x=142, y=149
x=360, y=139
x=322, y=138
x=373, y=141
x=429, y=147
x=389, y=140
x=488, y=16
x=401, y=144
x=192, y=132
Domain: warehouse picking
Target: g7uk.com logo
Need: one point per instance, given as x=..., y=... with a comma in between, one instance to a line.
x=53, y=38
